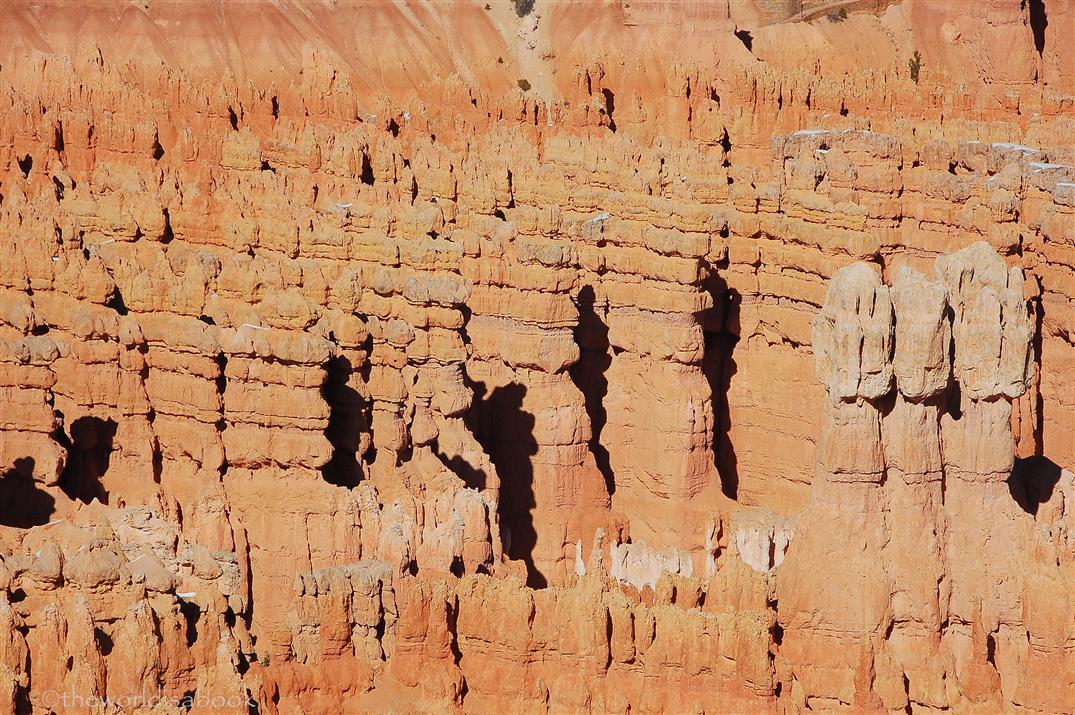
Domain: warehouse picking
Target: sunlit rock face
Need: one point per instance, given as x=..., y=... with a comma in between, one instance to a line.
x=537, y=356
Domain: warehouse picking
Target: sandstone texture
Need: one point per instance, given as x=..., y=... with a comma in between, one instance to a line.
x=537, y=356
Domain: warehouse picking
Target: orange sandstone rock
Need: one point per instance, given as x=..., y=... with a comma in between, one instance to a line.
x=607, y=357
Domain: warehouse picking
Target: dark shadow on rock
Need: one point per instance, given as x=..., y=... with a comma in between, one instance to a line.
x=746, y=38
x=23, y=502
x=191, y=613
x=89, y=451
x=588, y=374
x=1038, y=316
x=347, y=420
x=22, y=700
x=610, y=107
x=1039, y=21
x=506, y=433
x=1032, y=482
x=473, y=477
x=720, y=327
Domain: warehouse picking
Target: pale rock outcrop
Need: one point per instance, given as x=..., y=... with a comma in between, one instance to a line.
x=761, y=538
x=990, y=327
x=641, y=565
x=853, y=336
x=923, y=342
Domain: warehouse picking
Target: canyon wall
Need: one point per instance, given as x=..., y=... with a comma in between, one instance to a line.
x=480, y=357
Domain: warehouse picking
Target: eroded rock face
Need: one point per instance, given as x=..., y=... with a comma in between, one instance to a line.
x=887, y=595
x=126, y=606
x=990, y=328
x=336, y=389
x=920, y=358
x=853, y=336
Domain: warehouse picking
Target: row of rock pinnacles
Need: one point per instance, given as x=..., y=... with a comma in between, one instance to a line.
x=971, y=321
